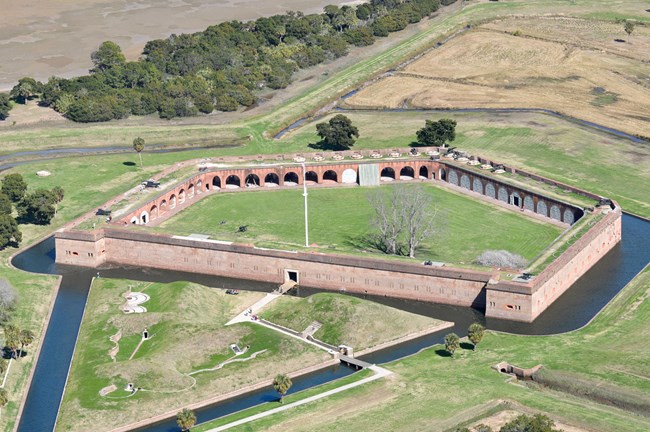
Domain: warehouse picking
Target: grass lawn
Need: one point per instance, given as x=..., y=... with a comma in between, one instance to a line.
x=186, y=322
x=431, y=391
x=346, y=320
x=339, y=221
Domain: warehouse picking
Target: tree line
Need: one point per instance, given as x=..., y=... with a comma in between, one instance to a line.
x=37, y=207
x=221, y=68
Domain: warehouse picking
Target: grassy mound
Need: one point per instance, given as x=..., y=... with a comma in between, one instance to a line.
x=346, y=320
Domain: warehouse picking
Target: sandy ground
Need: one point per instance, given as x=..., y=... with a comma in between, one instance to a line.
x=41, y=38
x=594, y=78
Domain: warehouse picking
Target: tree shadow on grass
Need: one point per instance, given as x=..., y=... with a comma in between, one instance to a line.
x=128, y=163
x=467, y=346
x=619, y=40
x=443, y=353
x=322, y=145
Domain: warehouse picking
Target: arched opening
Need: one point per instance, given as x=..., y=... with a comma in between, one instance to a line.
x=172, y=201
x=199, y=187
x=542, y=208
x=349, y=176
x=144, y=217
x=515, y=199
x=387, y=174
x=153, y=211
x=502, y=195
x=464, y=181
x=453, y=178
x=443, y=175
x=271, y=180
x=291, y=179
x=331, y=176
x=407, y=173
x=233, y=182
x=134, y=220
x=181, y=196
x=424, y=172
x=163, y=206
x=216, y=182
x=477, y=186
x=190, y=191
x=252, y=180
x=311, y=176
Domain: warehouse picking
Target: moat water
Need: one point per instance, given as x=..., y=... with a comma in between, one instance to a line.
x=571, y=311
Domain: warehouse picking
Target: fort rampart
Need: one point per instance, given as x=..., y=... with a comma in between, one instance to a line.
x=516, y=300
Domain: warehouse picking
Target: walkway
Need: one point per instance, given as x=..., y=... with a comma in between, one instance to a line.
x=245, y=316
x=379, y=372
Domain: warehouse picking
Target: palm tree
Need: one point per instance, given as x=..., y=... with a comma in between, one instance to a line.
x=26, y=337
x=138, y=146
x=12, y=338
x=186, y=419
x=475, y=333
x=452, y=342
x=282, y=384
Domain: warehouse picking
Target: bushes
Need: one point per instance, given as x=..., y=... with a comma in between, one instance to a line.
x=601, y=392
x=501, y=258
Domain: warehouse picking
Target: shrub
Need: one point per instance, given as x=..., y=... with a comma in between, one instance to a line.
x=501, y=258
x=8, y=299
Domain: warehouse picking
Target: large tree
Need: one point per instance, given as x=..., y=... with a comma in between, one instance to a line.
x=475, y=334
x=5, y=105
x=452, y=342
x=437, y=133
x=12, y=338
x=14, y=187
x=535, y=423
x=138, y=146
x=338, y=133
x=27, y=88
x=37, y=207
x=108, y=55
x=404, y=218
x=186, y=419
x=9, y=231
x=5, y=204
x=26, y=337
x=282, y=383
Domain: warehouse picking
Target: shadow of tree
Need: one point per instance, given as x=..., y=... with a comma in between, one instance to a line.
x=467, y=346
x=443, y=353
x=322, y=145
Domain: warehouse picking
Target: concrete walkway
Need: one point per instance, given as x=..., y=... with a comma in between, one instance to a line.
x=246, y=317
x=379, y=372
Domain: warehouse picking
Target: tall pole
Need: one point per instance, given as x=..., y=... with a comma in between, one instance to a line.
x=304, y=193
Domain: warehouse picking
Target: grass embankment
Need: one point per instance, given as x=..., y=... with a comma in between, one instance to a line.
x=186, y=322
x=339, y=220
x=431, y=391
x=346, y=320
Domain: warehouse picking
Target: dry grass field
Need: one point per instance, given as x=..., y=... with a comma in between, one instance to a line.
x=568, y=65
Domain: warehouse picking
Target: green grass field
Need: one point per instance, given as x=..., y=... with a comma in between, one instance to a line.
x=186, y=322
x=431, y=391
x=339, y=220
x=346, y=320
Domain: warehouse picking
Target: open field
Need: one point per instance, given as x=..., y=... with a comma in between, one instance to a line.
x=503, y=64
x=431, y=391
x=339, y=221
x=598, y=162
x=186, y=324
x=346, y=320
x=43, y=38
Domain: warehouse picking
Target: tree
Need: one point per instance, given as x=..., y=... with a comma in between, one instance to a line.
x=37, y=207
x=452, y=342
x=338, y=133
x=186, y=419
x=5, y=204
x=26, y=337
x=8, y=299
x=629, y=28
x=57, y=193
x=108, y=55
x=4, y=397
x=138, y=146
x=5, y=105
x=524, y=423
x=437, y=133
x=14, y=187
x=9, y=231
x=26, y=89
x=404, y=219
x=475, y=333
x=12, y=338
x=282, y=383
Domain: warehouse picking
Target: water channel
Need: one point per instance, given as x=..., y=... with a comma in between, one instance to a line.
x=571, y=311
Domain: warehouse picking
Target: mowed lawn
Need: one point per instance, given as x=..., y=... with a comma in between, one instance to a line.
x=340, y=221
